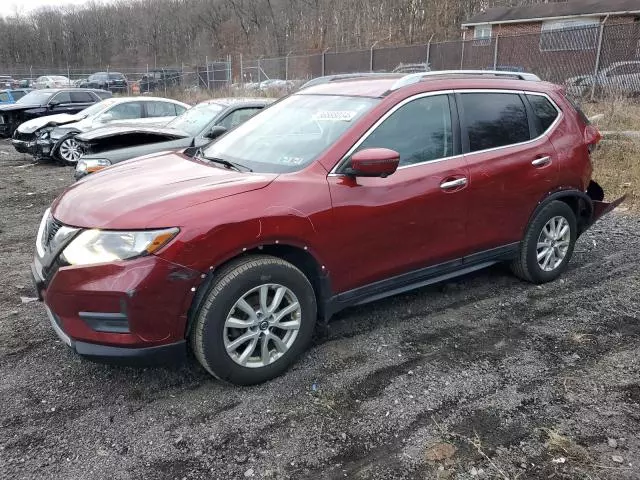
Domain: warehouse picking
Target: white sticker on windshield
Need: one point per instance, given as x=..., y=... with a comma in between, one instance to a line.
x=335, y=115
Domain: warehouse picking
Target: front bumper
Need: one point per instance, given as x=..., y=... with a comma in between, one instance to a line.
x=132, y=312
x=170, y=354
x=34, y=146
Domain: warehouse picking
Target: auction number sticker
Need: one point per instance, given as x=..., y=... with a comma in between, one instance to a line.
x=335, y=115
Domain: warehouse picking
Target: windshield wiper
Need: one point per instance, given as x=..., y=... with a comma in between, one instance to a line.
x=230, y=165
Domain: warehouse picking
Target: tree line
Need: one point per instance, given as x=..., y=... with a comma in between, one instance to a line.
x=171, y=32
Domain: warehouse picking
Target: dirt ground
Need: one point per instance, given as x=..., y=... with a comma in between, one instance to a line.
x=484, y=377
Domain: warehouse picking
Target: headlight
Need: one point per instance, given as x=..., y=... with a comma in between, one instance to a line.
x=103, y=246
x=91, y=165
x=44, y=133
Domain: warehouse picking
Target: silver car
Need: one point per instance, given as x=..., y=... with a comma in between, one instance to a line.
x=620, y=78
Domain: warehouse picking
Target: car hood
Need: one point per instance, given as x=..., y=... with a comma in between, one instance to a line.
x=50, y=120
x=140, y=193
x=17, y=106
x=107, y=132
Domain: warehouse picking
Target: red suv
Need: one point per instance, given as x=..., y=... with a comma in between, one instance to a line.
x=345, y=192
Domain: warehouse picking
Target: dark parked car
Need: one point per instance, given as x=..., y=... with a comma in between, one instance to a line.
x=160, y=79
x=51, y=101
x=112, y=81
x=194, y=128
x=12, y=95
x=338, y=195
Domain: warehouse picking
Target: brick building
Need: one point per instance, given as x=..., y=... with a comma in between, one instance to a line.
x=556, y=40
x=550, y=18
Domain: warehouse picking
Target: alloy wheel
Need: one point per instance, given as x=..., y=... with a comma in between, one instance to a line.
x=553, y=243
x=70, y=151
x=262, y=325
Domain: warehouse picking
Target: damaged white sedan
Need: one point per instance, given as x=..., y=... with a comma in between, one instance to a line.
x=53, y=136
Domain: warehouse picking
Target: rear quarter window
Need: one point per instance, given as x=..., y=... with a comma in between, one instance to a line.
x=543, y=110
x=18, y=94
x=103, y=95
x=576, y=106
x=494, y=120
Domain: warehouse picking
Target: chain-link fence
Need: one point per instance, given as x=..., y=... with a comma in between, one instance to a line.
x=589, y=60
x=594, y=60
x=145, y=79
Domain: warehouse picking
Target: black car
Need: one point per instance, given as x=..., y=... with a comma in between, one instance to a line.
x=196, y=127
x=51, y=101
x=160, y=79
x=111, y=81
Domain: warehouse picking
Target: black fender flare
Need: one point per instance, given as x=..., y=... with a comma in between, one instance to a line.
x=594, y=193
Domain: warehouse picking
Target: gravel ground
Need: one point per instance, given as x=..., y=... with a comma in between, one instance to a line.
x=484, y=377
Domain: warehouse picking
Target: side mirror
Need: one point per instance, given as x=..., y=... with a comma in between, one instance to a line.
x=216, y=131
x=53, y=104
x=374, y=162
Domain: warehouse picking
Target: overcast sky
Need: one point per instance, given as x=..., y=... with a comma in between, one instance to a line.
x=25, y=6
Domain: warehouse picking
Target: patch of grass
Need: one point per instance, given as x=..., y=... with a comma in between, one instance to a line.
x=582, y=338
x=616, y=162
x=616, y=167
x=619, y=114
x=558, y=444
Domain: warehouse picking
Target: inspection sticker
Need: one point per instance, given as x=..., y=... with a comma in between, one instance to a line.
x=335, y=115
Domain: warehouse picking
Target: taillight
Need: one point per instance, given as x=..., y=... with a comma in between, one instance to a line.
x=592, y=137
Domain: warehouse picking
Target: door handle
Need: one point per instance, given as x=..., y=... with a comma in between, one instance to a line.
x=541, y=162
x=451, y=184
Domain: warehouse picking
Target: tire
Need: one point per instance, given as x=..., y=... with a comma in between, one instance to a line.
x=68, y=152
x=219, y=347
x=549, y=223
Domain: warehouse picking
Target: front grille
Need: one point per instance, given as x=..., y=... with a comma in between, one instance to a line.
x=25, y=137
x=51, y=229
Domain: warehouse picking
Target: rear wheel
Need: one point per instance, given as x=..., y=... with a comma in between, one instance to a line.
x=69, y=151
x=257, y=319
x=548, y=244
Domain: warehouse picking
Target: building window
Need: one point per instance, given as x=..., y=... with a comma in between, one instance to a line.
x=569, y=34
x=482, y=35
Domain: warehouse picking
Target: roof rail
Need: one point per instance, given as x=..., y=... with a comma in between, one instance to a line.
x=416, y=77
x=343, y=76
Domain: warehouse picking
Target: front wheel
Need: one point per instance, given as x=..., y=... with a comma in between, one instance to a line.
x=257, y=319
x=548, y=244
x=69, y=151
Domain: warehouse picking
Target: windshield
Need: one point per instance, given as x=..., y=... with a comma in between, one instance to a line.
x=290, y=134
x=194, y=120
x=36, y=98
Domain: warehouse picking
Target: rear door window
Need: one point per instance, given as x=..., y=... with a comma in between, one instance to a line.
x=161, y=109
x=494, y=120
x=81, y=97
x=544, y=111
